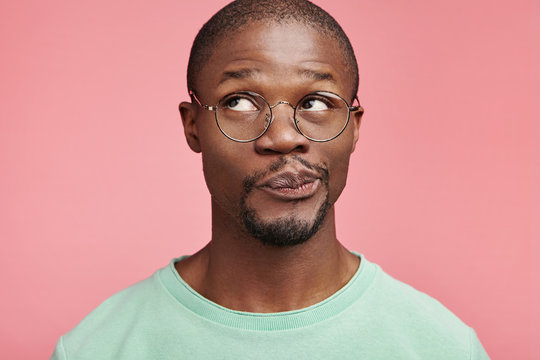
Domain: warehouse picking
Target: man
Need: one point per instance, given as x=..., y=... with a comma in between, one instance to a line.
x=274, y=114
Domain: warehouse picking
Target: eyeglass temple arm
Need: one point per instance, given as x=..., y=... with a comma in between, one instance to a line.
x=358, y=107
x=196, y=99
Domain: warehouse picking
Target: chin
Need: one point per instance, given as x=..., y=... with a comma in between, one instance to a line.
x=286, y=230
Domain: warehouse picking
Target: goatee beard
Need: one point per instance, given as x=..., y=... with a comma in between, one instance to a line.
x=284, y=231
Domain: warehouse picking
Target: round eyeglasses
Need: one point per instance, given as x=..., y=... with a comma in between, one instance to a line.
x=245, y=116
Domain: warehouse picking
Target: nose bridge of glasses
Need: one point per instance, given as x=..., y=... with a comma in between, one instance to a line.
x=282, y=102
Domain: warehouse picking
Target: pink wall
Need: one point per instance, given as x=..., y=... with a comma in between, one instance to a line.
x=98, y=188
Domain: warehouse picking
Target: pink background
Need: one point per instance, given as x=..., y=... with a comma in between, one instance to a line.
x=98, y=188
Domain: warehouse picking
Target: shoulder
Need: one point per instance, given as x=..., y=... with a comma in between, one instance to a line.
x=404, y=297
x=125, y=301
x=117, y=317
x=413, y=314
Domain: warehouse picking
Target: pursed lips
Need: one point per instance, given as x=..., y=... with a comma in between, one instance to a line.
x=292, y=185
x=289, y=180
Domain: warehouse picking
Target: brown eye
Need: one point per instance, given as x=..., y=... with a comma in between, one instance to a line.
x=314, y=104
x=238, y=103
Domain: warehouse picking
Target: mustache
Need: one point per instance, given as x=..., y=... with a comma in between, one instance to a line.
x=250, y=180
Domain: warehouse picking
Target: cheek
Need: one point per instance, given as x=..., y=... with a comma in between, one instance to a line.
x=338, y=177
x=339, y=167
x=224, y=173
x=213, y=174
x=213, y=151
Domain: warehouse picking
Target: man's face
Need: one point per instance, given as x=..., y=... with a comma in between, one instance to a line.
x=279, y=187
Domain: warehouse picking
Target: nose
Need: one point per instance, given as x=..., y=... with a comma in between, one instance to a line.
x=282, y=137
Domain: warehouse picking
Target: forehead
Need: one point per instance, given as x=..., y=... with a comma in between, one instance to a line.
x=276, y=55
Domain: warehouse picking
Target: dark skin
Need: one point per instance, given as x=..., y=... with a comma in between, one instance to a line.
x=235, y=270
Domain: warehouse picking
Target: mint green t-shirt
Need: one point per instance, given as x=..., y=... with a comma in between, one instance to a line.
x=373, y=317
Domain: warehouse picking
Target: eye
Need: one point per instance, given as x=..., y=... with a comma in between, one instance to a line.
x=238, y=103
x=315, y=104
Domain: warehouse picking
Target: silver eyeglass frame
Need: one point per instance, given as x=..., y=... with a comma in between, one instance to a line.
x=295, y=121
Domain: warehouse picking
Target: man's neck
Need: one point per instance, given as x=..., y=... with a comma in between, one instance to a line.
x=239, y=272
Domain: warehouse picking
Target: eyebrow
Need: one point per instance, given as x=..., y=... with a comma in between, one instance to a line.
x=237, y=74
x=316, y=75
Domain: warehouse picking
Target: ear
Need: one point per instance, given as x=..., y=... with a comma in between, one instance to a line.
x=356, y=121
x=188, y=113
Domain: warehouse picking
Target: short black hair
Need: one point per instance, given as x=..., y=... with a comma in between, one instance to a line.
x=242, y=12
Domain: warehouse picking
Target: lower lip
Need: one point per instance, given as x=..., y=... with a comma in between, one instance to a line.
x=302, y=192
